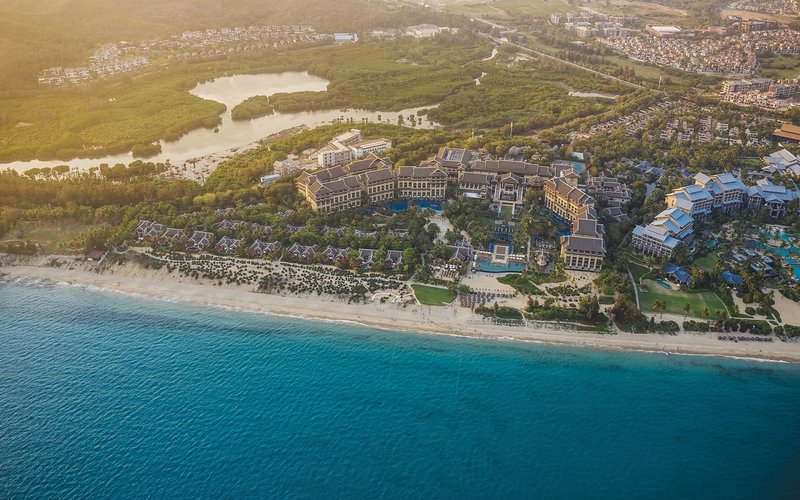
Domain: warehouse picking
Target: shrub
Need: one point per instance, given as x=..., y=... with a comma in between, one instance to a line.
x=750, y=310
x=695, y=326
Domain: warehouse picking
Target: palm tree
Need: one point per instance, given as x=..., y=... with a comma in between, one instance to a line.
x=686, y=308
x=659, y=306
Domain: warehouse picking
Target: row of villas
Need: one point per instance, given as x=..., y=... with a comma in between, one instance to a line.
x=226, y=245
x=722, y=192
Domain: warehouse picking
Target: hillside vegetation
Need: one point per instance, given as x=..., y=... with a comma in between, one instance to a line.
x=38, y=35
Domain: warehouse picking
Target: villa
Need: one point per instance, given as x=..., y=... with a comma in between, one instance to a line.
x=171, y=235
x=773, y=198
x=333, y=255
x=200, y=240
x=228, y=245
x=393, y=259
x=261, y=248
x=366, y=257
x=302, y=253
x=781, y=162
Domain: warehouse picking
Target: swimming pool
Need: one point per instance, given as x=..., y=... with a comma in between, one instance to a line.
x=403, y=205
x=511, y=267
x=664, y=284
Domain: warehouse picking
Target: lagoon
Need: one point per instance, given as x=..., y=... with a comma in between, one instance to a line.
x=231, y=135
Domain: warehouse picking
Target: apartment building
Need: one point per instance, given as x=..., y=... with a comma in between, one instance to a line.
x=654, y=241
x=584, y=249
x=566, y=201
x=695, y=201
x=679, y=224
x=453, y=160
x=349, y=146
x=728, y=190
x=421, y=183
x=379, y=185
x=340, y=188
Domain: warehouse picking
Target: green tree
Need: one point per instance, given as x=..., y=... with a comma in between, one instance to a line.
x=659, y=306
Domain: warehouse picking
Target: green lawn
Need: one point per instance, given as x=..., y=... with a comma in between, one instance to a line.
x=506, y=212
x=432, y=296
x=676, y=299
x=638, y=271
x=706, y=263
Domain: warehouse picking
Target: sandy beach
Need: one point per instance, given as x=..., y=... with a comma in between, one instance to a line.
x=130, y=278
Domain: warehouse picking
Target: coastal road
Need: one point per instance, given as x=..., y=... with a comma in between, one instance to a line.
x=573, y=65
x=557, y=59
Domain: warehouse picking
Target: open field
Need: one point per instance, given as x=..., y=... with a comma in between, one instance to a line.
x=507, y=9
x=675, y=300
x=432, y=296
x=779, y=67
x=49, y=236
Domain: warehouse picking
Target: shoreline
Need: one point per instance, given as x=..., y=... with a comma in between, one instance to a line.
x=450, y=321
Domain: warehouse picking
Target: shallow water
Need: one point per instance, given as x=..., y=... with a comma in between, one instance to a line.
x=236, y=134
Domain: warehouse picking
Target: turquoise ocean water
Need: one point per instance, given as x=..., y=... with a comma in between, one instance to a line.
x=109, y=396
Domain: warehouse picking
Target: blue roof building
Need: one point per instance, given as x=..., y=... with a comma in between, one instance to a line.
x=733, y=279
x=677, y=273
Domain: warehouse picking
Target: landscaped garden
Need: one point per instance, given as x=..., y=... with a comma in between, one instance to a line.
x=675, y=301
